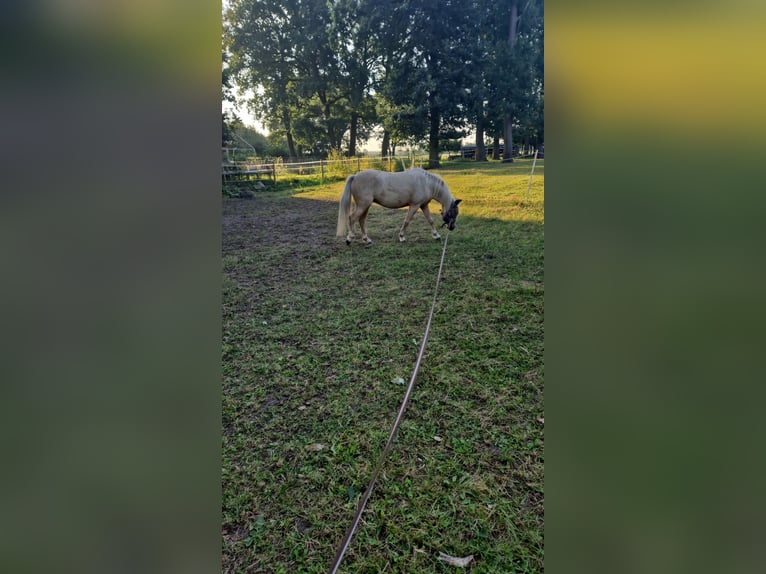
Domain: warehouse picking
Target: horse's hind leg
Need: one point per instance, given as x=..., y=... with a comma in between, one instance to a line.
x=350, y=226
x=358, y=214
x=407, y=219
x=362, y=220
x=430, y=220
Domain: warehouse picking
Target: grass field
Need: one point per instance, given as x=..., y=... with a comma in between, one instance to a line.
x=315, y=336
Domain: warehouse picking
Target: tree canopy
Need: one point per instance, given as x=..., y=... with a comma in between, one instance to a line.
x=326, y=73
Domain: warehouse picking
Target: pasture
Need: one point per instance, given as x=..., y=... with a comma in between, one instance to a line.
x=317, y=337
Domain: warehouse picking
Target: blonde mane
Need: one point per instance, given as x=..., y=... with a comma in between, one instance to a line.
x=441, y=191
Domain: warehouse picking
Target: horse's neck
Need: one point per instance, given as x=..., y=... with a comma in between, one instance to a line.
x=443, y=196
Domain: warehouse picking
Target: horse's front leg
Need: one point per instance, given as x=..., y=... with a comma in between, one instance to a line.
x=407, y=219
x=430, y=220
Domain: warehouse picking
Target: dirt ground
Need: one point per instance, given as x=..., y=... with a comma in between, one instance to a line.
x=270, y=219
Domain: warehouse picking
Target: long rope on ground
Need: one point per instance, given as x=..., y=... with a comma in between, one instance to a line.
x=378, y=467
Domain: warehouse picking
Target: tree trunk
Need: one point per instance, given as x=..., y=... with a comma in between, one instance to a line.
x=352, y=135
x=291, y=147
x=386, y=141
x=289, y=133
x=507, y=140
x=508, y=120
x=327, y=112
x=433, y=140
x=495, y=147
x=331, y=132
x=481, y=151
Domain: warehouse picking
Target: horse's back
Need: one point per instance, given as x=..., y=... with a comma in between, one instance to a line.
x=392, y=189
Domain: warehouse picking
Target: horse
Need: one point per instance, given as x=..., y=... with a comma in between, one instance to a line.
x=414, y=188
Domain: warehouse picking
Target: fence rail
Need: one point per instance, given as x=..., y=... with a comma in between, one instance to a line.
x=239, y=169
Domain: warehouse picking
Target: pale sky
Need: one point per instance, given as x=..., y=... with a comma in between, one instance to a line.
x=243, y=113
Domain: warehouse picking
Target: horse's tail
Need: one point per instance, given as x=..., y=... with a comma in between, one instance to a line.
x=344, y=209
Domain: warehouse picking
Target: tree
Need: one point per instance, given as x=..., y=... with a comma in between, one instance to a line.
x=353, y=39
x=480, y=39
x=227, y=119
x=430, y=72
x=262, y=37
x=325, y=72
x=252, y=138
x=515, y=70
x=508, y=118
x=387, y=21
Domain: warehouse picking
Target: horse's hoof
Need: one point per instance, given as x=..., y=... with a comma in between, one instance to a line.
x=438, y=238
x=402, y=239
x=348, y=242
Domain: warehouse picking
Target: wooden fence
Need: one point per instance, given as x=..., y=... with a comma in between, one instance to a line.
x=241, y=170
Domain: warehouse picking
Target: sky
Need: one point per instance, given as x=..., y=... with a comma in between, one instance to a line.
x=243, y=113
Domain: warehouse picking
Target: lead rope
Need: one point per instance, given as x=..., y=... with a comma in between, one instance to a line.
x=363, y=502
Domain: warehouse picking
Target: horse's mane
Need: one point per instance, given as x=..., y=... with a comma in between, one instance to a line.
x=438, y=183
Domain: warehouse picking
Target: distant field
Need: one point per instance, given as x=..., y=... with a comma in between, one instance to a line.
x=315, y=334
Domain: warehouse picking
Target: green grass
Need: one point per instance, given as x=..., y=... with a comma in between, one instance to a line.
x=315, y=333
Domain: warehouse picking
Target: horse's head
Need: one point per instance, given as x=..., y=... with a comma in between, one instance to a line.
x=450, y=216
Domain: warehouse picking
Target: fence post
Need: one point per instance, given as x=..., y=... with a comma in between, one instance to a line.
x=358, y=165
x=531, y=174
x=321, y=166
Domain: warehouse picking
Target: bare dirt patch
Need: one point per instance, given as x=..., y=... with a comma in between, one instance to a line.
x=275, y=220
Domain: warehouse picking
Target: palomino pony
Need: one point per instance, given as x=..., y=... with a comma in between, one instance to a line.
x=415, y=188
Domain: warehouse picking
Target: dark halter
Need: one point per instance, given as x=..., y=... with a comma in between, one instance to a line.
x=451, y=215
